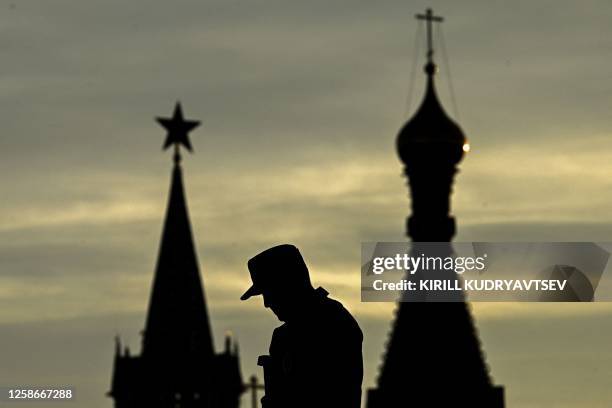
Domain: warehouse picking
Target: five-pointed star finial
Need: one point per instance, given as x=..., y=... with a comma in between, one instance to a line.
x=178, y=130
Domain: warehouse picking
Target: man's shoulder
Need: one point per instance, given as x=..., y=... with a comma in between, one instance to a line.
x=338, y=318
x=280, y=330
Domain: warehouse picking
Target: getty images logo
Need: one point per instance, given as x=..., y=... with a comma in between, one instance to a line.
x=485, y=271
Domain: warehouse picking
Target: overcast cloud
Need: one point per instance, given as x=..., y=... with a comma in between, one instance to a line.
x=300, y=104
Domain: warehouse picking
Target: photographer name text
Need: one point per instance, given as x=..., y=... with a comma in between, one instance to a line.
x=508, y=285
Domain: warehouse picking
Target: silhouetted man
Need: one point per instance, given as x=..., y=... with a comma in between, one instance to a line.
x=315, y=356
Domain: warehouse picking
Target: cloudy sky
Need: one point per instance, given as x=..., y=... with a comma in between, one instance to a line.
x=300, y=103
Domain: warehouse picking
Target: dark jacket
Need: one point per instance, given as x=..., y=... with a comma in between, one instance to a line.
x=315, y=359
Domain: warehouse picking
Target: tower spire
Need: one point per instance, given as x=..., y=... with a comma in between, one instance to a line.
x=177, y=365
x=178, y=317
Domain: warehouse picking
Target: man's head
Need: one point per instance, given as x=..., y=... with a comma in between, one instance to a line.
x=280, y=275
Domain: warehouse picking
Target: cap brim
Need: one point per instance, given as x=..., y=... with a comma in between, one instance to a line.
x=252, y=291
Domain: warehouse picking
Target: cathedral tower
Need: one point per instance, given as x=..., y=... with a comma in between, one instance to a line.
x=433, y=356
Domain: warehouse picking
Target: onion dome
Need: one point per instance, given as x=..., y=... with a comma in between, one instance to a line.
x=431, y=134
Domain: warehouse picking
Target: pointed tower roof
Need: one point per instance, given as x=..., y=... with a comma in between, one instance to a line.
x=177, y=320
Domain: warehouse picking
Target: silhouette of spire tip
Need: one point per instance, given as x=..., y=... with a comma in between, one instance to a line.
x=177, y=155
x=429, y=18
x=431, y=68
